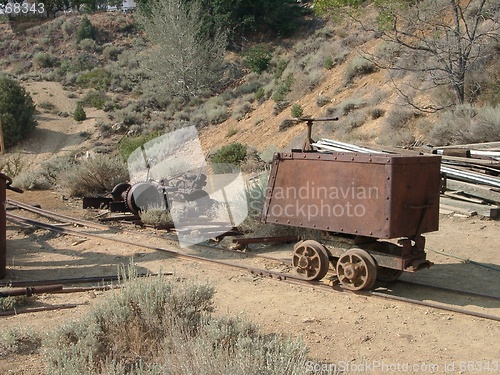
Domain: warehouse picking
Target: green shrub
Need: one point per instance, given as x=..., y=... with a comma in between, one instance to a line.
x=280, y=68
x=258, y=59
x=98, y=79
x=283, y=89
x=82, y=62
x=17, y=111
x=128, y=144
x=86, y=30
x=328, y=63
x=214, y=112
x=69, y=26
x=224, y=159
x=231, y=132
x=260, y=94
x=241, y=110
x=296, y=110
x=96, y=99
x=88, y=45
x=13, y=166
x=79, y=114
x=156, y=216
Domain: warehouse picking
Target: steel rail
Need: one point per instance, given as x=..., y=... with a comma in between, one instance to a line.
x=173, y=253
x=256, y=271
x=79, y=280
x=450, y=290
x=59, y=217
x=436, y=306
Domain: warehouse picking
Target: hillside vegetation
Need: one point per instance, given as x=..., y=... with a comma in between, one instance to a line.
x=340, y=63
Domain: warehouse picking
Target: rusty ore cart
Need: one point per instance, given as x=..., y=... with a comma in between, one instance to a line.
x=355, y=206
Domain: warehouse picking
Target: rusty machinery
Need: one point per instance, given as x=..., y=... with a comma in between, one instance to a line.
x=365, y=213
x=150, y=194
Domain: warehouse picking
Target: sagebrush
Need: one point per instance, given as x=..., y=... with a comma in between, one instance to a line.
x=156, y=326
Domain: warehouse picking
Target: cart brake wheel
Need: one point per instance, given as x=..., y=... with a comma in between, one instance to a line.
x=310, y=260
x=356, y=270
x=388, y=274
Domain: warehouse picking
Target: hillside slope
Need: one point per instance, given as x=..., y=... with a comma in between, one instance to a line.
x=323, y=66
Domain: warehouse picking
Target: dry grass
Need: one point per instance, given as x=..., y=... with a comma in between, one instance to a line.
x=466, y=124
x=93, y=176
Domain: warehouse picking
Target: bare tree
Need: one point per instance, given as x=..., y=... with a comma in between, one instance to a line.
x=447, y=38
x=185, y=60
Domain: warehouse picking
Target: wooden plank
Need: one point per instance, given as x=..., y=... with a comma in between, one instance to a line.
x=477, y=146
x=474, y=190
x=487, y=211
x=120, y=217
x=445, y=211
x=458, y=195
x=245, y=241
x=474, y=161
x=453, y=209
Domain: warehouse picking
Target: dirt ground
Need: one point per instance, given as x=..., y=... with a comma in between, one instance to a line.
x=372, y=334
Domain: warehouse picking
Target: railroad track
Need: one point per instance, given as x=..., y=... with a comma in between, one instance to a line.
x=111, y=234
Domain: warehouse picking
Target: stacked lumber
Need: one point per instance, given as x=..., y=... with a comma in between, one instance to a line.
x=471, y=179
x=471, y=174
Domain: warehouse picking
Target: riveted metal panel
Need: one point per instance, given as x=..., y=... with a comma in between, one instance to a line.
x=382, y=196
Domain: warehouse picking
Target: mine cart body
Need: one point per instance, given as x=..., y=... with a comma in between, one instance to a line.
x=371, y=198
x=381, y=196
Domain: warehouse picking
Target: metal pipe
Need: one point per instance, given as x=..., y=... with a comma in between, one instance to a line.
x=451, y=172
x=31, y=290
x=470, y=176
x=348, y=146
x=36, y=309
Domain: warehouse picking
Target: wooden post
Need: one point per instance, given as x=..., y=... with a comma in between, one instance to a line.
x=2, y=146
x=3, y=234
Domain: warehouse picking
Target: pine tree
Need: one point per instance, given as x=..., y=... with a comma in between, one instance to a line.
x=86, y=30
x=79, y=114
x=17, y=111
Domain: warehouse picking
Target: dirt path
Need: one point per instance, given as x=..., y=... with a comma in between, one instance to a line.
x=56, y=134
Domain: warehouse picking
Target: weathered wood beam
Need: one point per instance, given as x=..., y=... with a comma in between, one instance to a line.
x=474, y=190
x=492, y=212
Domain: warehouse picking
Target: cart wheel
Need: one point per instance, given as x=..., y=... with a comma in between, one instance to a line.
x=356, y=270
x=388, y=274
x=310, y=260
